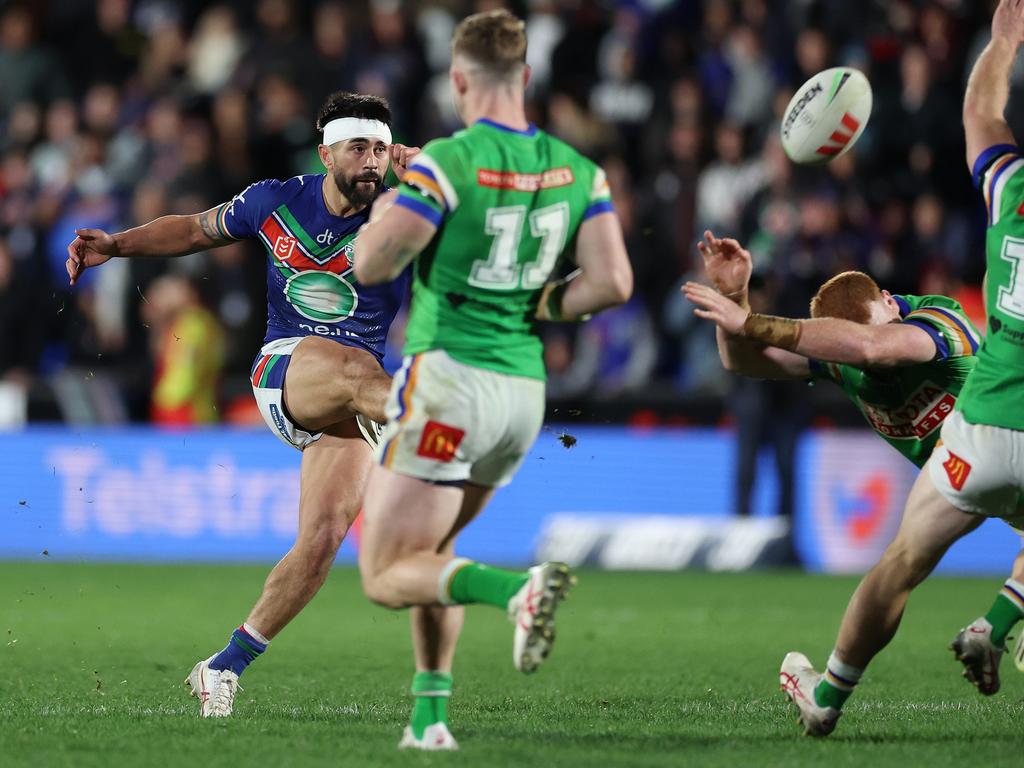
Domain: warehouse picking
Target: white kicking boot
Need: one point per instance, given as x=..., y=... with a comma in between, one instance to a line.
x=532, y=609
x=436, y=738
x=215, y=689
x=974, y=649
x=798, y=680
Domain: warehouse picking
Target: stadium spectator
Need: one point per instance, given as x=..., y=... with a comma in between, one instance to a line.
x=31, y=70
x=726, y=185
x=188, y=350
x=215, y=50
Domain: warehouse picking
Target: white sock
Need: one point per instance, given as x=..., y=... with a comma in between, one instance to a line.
x=443, y=595
x=841, y=675
x=254, y=633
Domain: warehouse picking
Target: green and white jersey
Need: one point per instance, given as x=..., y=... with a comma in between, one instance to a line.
x=507, y=205
x=993, y=393
x=906, y=405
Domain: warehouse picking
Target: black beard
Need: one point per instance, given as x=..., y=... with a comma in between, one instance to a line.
x=356, y=194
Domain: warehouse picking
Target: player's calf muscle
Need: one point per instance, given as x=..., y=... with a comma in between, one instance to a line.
x=321, y=542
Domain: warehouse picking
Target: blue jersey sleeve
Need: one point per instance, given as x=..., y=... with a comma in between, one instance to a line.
x=242, y=216
x=992, y=173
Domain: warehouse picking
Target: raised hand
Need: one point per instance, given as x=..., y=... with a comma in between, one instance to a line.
x=727, y=263
x=1008, y=21
x=90, y=248
x=711, y=305
x=401, y=157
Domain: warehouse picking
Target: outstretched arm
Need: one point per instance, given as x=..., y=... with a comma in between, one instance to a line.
x=988, y=87
x=165, y=236
x=827, y=338
x=729, y=265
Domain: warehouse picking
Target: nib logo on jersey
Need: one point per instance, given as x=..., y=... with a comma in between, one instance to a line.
x=856, y=500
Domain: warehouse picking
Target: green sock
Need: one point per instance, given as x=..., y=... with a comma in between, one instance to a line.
x=431, y=690
x=827, y=695
x=1006, y=611
x=837, y=683
x=478, y=583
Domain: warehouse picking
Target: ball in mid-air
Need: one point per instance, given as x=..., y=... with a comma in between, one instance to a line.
x=826, y=116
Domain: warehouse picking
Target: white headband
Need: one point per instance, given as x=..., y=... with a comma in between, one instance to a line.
x=344, y=128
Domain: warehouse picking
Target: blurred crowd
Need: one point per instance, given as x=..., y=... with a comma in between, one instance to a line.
x=114, y=112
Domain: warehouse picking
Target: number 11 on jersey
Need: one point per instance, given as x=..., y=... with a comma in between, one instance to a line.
x=502, y=270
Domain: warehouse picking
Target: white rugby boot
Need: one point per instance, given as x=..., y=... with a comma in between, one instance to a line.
x=436, y=738
x=532, y=609
x=974, y=649
x=215, y=689
x=798, y=680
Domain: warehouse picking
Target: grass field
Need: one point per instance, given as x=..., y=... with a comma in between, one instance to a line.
x=650, y=669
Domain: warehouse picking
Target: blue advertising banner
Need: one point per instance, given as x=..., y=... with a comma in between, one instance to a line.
x=232, y=495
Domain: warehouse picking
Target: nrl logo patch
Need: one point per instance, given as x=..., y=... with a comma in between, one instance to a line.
x=284, y=247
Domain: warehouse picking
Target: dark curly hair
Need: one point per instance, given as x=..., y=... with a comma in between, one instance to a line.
x=345, y=104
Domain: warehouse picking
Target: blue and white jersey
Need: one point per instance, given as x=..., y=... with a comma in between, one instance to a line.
x=311, y=284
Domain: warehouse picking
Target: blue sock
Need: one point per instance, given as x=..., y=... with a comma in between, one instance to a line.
x=240, y=651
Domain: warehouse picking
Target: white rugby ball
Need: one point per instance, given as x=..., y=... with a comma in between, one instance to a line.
x=826, y=116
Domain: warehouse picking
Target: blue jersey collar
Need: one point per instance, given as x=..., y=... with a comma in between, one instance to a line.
x=530, y=131
x=903, y=304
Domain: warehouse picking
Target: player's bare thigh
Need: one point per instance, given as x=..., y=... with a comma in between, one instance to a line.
x=329, y=382
x=404, y=515
x=474, y=499
x=930, y=525
x=404, y=518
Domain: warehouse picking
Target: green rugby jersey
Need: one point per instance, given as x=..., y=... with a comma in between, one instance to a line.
x=993, y=394
x=507, y=204
x=907, y=404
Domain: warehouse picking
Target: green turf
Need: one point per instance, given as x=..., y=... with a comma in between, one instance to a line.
x=650, y=669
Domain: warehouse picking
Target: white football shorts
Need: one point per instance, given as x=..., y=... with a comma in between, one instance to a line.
x=449, y=422
x=267, y=377
x=979, y=468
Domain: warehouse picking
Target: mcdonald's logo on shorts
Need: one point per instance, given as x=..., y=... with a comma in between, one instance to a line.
x=957, y=470
x=439, y=441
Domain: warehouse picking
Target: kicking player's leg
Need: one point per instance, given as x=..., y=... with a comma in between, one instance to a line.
x=328, y=382
x=930, y=526
x=308, y=389
x=332, y=478
x=324, y=384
